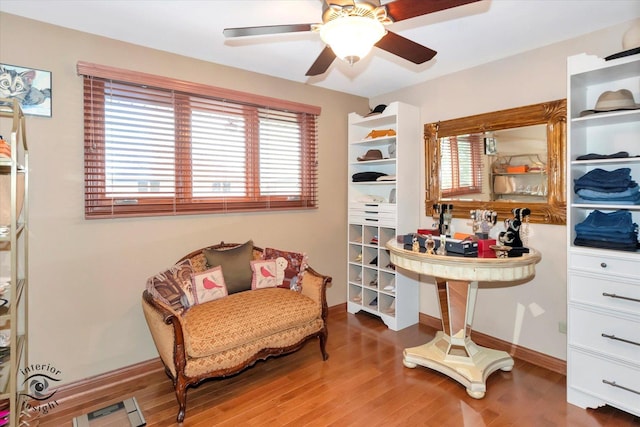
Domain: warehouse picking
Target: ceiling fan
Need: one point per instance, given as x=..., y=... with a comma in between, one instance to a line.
x=350, y=28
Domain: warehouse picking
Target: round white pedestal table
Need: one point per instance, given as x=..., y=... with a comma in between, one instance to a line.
x=452, y=352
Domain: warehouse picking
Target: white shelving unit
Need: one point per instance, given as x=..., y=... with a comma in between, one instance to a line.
x=14, y=246
x=603, y=289
x=376, y=216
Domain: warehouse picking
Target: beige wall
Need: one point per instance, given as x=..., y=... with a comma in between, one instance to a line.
x=87, y=276
x=529, y=314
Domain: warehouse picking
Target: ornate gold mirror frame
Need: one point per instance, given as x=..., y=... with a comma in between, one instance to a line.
x=553, y=114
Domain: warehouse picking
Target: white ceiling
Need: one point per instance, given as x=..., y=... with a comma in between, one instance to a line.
x=464, y=37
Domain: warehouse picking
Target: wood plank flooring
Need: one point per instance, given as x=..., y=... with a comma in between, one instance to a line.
x=364, y=383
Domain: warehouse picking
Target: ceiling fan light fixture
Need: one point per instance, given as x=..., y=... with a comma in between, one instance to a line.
x=352, y=37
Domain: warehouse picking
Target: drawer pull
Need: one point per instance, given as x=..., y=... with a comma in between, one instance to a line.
x=613, y=384
x=613, y=337
x=606, y=294
x=603, y=264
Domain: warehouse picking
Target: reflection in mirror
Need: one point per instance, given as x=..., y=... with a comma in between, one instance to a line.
x=462, y=162
x=499, y=161
x=507, y=164
x=518, y=169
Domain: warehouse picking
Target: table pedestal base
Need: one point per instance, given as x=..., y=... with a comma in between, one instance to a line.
x=452, y=352
x=470, y=364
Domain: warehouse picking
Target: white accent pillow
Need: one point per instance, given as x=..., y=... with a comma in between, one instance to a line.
x=265, y=273
x=208, y=285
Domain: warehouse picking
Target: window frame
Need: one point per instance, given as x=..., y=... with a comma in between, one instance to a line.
x=98, y=205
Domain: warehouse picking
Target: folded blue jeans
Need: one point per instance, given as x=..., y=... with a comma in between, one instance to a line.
x=613, y=235
x=628, y=238
x=600, y=178
x=619, y=221
x=627, y=200
x=606, y=245
x=586, y=193
x=623, y=187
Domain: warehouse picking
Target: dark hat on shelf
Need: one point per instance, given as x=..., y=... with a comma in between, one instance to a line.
x=379, y=109
x=630, y=43
x=371, y=155
x=366, y=176
x=612, y=101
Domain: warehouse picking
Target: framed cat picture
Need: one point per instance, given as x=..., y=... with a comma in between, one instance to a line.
x=30, y=86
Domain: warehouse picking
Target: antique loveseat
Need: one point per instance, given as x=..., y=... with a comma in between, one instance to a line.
x=222, y=308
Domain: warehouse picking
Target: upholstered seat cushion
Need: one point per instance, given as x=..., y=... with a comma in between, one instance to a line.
x=241, y=318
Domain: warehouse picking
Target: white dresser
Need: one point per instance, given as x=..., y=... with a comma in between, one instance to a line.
x=603, y=289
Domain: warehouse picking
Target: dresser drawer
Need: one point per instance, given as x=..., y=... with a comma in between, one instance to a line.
x=380, y=207
x=373, y=213
x=604, y=291
x=615, y=336
x=607, y=264
x=373, y=208
x=372, y=220
x=615, y=383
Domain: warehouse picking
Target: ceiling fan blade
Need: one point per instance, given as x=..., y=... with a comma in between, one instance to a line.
x=405, y=9
x=322, y=63
x=405, y=48
x=267, y=29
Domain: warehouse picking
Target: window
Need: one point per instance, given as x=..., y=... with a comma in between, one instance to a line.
x=461, y=165
x=157, y=146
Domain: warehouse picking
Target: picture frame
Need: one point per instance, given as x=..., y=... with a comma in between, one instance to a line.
x=490, y=146
x=32, y=87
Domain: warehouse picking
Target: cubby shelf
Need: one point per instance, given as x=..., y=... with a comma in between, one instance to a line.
x=379, y=211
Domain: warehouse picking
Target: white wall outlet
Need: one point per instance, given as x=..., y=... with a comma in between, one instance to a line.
x=562, y=327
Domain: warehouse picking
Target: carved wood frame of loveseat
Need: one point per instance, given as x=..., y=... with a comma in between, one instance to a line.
x=181, y=381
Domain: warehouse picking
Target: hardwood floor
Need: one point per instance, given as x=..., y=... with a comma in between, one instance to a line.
x=364, y=383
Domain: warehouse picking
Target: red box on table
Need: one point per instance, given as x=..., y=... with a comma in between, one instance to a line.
x=484, y=248
x=426, y=231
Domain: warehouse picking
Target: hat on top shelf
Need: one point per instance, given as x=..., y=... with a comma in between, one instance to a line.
x=612, y=101
x=378, y=110
x=630, y=43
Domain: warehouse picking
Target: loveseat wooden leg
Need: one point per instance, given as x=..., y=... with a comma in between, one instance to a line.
x=323, y=345
x=181, y=395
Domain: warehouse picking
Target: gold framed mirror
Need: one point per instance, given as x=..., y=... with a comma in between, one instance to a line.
x=522, y=175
